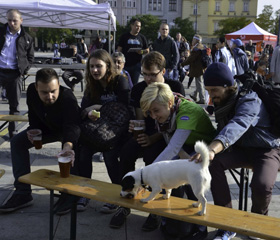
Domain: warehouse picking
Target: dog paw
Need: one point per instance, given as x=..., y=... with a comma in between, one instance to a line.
x=196, y=205
x=165, y=196
x=144, y=200
x=201, y=213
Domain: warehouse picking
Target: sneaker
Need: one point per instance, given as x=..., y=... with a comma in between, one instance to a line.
x=119, y=218
x=17, y=201
x=224, y=235
x=82, y=204
x=152, y=223
x=109, y=208
x=199, y=235
x=254, y=238
x=193, y=97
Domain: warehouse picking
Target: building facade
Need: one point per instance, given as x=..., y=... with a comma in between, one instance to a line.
x=206, y=14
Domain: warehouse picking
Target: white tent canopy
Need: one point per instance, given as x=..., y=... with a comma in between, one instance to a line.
x=74, y=14
x=253, y=32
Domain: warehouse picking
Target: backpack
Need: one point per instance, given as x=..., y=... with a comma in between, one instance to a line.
x=268, y=93
x=206, y=57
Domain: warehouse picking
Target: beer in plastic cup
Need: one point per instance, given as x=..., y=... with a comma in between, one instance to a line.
x=36, y=135
x=139, y=128
x=64, y=166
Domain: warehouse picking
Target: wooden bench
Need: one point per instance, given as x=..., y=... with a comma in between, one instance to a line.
x=12, y=118
x=177, y=208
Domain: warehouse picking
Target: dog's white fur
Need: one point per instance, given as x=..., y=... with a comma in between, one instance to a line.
x=172, y=174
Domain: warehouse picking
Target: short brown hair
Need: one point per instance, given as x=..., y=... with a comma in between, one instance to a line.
x=153, y=59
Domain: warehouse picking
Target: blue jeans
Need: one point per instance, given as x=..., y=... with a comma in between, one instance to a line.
x=20, y=146
x=134, y=72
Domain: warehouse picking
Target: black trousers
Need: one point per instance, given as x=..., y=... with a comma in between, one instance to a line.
x=11, y=80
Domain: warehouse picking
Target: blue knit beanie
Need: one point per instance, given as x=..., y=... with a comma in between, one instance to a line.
x=218, y=74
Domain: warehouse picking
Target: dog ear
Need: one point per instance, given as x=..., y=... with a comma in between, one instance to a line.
x=128, y=183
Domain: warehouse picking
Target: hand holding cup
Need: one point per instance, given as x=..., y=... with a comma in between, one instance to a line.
x=35, y=137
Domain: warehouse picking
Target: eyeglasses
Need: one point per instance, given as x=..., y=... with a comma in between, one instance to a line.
x=152, y=75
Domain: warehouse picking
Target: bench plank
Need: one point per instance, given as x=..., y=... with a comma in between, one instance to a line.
x=12, y=118
x=177, y=208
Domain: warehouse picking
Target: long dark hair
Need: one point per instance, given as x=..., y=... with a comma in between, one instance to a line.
x=93, y=87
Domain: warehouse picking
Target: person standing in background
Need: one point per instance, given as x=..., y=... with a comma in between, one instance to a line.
x=16, y=57
x=133, y=45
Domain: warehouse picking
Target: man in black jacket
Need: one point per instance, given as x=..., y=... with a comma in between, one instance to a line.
x=54, y=110
x=16, y=57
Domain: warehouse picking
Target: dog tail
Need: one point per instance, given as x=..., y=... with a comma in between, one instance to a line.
x=201, y=148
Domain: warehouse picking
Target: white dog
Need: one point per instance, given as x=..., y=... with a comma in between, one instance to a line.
x=171, y=174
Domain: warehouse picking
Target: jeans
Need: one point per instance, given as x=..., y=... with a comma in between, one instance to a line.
x=200, y=89
x=265, y=164
x=131, y=151
x=20, y=146
x=134, y=72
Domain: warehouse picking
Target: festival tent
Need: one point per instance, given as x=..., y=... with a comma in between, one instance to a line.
x=74, y=14
x=255, y=33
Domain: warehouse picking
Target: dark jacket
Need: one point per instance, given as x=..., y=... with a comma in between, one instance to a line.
x=25, y=49
x=61, y=118
x=195, y=61
x=241, y=61
x=168, y=48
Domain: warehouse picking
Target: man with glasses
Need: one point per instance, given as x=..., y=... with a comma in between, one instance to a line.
x=133, y=45
x=224, y=55
x=150, y=144
x=168, y=48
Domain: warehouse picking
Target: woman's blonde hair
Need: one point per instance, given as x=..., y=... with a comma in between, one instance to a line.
x=159, y=92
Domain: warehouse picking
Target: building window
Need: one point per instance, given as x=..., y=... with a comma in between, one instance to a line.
x=172, y=5
x=216, y=26
x=231, y=6
x=218, y=6
x=195, y=9
x=128, y=4
x=246, y=6
x=134, y=4
x=154, y=5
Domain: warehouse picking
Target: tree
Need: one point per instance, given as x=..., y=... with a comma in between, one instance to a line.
x=275, y=29
x=231, y=25
x=185, y=27
x=265, y=19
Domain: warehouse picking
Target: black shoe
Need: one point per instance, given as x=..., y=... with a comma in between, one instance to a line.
x=64, y=204
x=199, y=235
x=17, y=201
x=119, y=218
x=152, y=223
x=194, y=98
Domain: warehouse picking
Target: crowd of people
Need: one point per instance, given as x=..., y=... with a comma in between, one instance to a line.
x=173, y=123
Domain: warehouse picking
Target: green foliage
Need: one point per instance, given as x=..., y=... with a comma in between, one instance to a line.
x=230, y=25
x=184, y=26
x=52, y=35
x=265, y=20
x=275, y=29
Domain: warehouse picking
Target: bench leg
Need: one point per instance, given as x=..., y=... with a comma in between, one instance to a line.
x=73, y=222
x=51, y=215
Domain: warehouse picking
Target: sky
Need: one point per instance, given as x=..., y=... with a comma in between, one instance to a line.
x=274, y=3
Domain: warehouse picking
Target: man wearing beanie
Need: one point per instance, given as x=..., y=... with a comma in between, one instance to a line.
x=243, y=141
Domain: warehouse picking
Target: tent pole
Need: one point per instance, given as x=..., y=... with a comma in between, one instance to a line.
x=109, y=36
